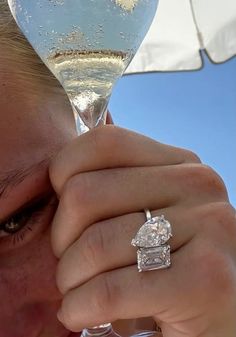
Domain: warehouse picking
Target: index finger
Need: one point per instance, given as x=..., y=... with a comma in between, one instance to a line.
x=110, y=146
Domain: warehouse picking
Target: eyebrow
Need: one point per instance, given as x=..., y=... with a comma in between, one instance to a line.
x=12, y=178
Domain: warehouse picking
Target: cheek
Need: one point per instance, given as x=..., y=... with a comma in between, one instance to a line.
x=27, y=278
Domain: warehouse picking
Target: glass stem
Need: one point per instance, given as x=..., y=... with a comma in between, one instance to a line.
x=89, y=117
x=102, y=330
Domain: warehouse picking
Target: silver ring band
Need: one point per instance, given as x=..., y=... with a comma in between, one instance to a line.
x=148, y=214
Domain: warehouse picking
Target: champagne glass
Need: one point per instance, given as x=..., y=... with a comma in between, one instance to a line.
x=87, y=45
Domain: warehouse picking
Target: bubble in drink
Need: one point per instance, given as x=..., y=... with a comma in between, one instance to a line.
x=88, y=78
x=87, y=44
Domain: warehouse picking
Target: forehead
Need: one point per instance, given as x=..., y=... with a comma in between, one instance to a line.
x=34, y=126
x=19, y=115
x=32, y=121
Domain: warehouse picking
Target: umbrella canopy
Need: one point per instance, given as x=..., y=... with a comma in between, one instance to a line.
x=183, y=28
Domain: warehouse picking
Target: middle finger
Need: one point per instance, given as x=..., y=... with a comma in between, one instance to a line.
x=99, y=195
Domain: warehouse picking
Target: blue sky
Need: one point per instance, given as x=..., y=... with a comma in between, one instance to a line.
x=195, y=110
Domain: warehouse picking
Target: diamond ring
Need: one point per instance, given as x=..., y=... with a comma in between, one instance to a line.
x=153, y=252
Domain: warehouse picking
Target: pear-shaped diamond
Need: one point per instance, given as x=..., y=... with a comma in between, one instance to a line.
x=153, y=233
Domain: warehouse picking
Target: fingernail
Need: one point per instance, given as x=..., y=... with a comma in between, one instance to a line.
x=59, y=315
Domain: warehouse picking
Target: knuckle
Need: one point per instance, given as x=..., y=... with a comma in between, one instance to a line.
x=106, y=137
x=92, y=241
x=77, y=191
x=191, y=157
x=227, y=218
x=62, y=277
x=204, y=178
x=56, y=169
x=215, y=273
x=59, y=278
x=106, y=296
x=68, y=315
x=222, y=217
x=53, y=171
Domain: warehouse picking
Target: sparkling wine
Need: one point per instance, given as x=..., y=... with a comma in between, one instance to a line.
x=88, y=78
x=87, y=44
x=55, y=25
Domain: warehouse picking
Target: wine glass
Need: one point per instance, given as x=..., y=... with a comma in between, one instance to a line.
x=87, y=45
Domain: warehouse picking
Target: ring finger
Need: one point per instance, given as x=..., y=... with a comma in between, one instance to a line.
x=106, y=245
x=95, y=196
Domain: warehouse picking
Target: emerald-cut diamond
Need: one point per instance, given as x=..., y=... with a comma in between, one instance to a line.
x=153, y=233
x=153, y=258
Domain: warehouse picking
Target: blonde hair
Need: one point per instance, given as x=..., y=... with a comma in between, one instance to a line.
x=18, y=51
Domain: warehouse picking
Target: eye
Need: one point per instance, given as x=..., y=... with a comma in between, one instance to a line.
x=17, y=226
x=14, y=224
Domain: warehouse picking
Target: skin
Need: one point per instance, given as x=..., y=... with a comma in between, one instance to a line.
x=80, y=246
x=30, y=134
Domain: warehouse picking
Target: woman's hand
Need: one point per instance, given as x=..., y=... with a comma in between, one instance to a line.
x=104, y=180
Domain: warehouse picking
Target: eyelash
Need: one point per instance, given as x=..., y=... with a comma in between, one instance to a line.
x=29, y=216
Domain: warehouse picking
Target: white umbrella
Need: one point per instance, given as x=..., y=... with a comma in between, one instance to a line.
x=183, y=28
